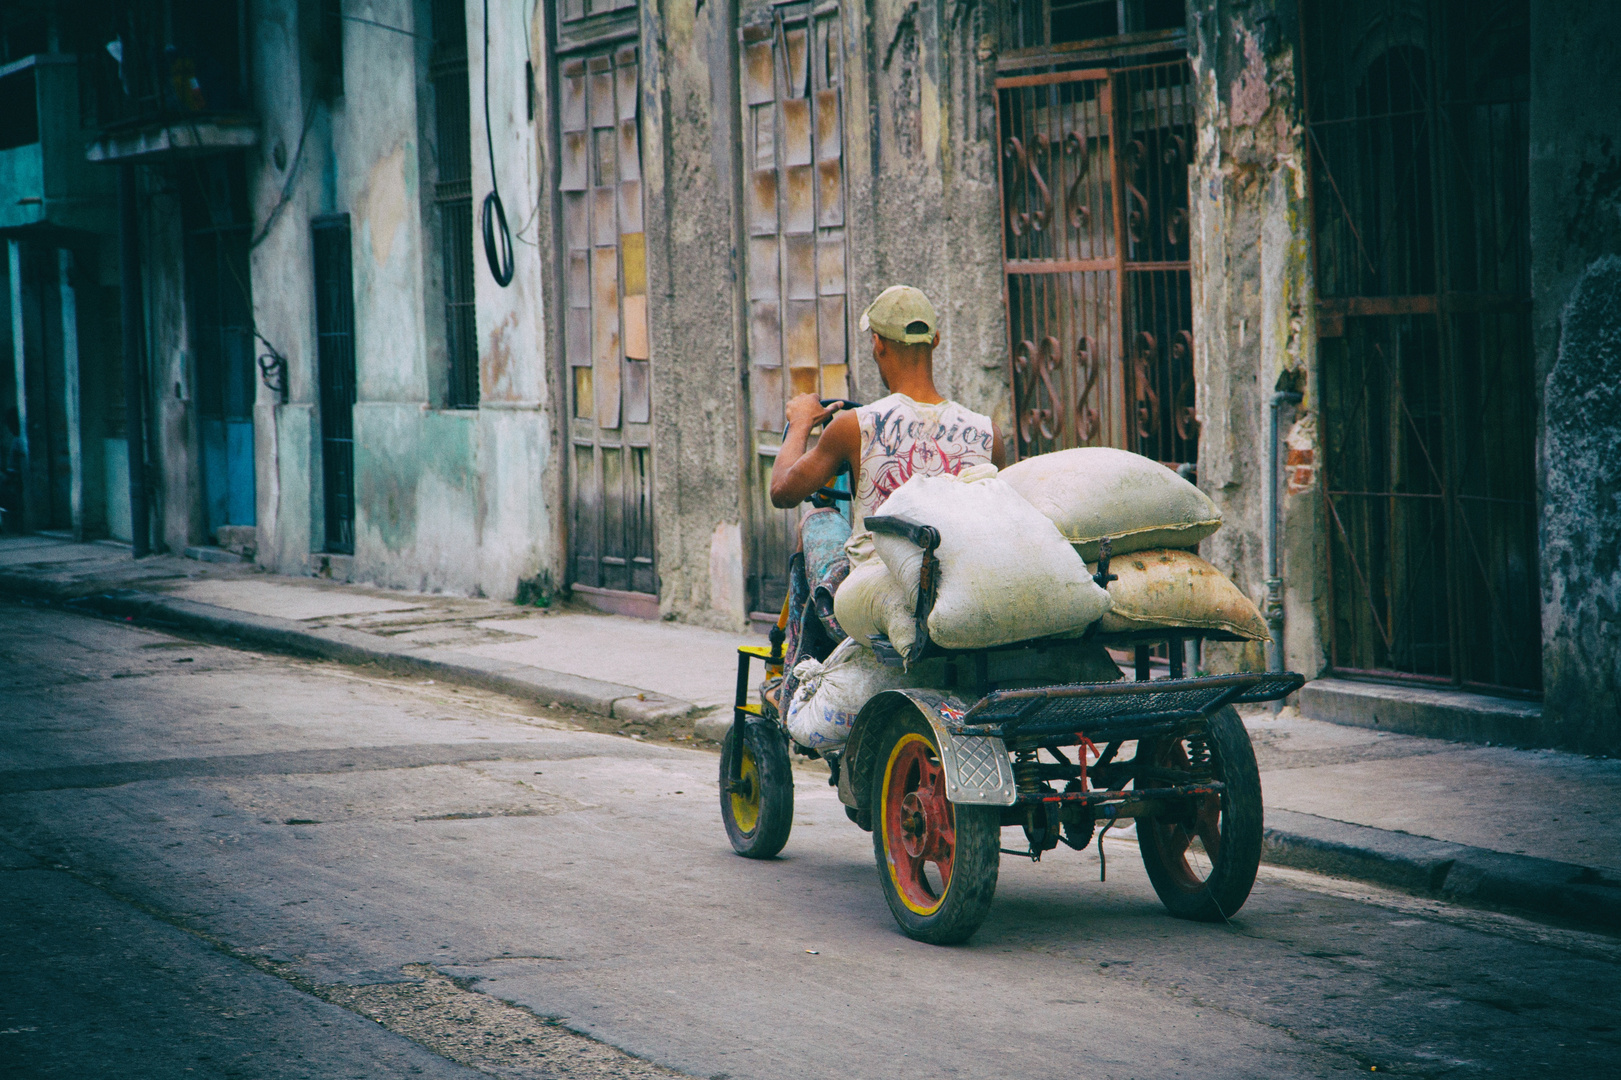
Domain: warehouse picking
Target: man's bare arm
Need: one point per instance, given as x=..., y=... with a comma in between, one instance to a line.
x=798, y=473
x=998, y=451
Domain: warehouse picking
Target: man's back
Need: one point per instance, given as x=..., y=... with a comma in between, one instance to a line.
x=902, y=438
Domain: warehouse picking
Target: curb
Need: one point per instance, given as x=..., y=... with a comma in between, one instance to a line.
x=1455, y=872
x=343, y=645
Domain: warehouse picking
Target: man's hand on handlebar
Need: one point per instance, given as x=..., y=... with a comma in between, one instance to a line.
x=799, y=472
x=805, y=411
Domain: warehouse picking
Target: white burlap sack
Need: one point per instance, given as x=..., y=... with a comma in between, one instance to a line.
x=870, y=601
x=831, y=692
x=1006, y=573
x=1175, y=588
x=1095, y=491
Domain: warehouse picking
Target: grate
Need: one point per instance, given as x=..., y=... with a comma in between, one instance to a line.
x=1418, y=127
x=335, y=355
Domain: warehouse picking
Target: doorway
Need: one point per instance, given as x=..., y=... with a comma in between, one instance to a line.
x=792, y=82
x=220, y=308
x=1418, y=126
x=610, y=392
x=1094, y=178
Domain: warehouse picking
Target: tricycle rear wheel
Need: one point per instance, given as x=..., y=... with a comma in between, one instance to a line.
x=1202, y=853
x=759, y=809
x=937, y=861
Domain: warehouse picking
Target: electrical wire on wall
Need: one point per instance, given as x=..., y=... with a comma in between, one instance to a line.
x=493, y=217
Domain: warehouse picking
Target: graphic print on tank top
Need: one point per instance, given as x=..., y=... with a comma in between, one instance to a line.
x=902, y=438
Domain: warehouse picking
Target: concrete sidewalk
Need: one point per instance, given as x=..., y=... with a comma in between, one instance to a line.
x=1530, y=830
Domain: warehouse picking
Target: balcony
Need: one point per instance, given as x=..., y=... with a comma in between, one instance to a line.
x=46, y=181
x=173, y=80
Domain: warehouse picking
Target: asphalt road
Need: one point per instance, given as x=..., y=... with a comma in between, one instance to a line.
x=216, y=863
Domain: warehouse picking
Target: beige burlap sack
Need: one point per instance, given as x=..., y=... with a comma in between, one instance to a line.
x=1096, y=491
x=1006, y=574
x=1169, y=588
x=870, y=601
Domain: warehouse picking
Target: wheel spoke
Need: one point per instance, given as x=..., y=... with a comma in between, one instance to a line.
x=1207, y=824
x=1177, y=839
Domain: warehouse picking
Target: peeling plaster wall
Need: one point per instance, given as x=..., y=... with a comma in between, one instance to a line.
x=453, y=500
x=1253, y=313
x=689, y=142
x=171, y=420
x=286, y=437
x=925, y=206
x=1576, y=282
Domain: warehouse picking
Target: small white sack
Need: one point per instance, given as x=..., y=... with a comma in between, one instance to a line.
x=831, y=693
x=1006, y=573
x=870, y=601
x=1097, y=491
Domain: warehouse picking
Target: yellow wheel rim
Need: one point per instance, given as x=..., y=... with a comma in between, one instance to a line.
x=746, y=803
x=913, y=769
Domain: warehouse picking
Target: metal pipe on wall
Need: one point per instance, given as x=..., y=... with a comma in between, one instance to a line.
x=132, y=333
x=1274, y=583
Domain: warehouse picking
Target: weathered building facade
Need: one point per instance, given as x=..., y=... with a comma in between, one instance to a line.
x=1317, y=256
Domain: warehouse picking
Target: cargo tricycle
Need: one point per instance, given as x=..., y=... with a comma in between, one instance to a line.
x=937, y=774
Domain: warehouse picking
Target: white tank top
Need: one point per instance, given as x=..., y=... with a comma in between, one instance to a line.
x=901, y=438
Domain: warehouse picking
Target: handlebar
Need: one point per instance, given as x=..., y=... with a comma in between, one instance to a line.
x=845, y=403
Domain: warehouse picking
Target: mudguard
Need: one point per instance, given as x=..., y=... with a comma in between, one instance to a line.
x=976, y=767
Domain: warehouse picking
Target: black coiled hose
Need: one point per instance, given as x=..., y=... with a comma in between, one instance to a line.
x=493, y=216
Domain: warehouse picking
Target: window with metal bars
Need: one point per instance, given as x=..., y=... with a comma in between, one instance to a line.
x=1030, y=24
x=335, y=354
x=453, y=198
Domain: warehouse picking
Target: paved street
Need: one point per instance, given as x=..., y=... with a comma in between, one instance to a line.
x=225, y=864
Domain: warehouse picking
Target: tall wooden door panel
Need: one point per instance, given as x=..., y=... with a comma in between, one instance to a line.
x=792, y=75
x=605, y=325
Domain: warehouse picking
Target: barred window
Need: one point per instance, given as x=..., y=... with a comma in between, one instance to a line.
x=453, y=197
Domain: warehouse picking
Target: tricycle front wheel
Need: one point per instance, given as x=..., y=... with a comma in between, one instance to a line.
x=1202, y=854
x=937, y=861
x=758, y=808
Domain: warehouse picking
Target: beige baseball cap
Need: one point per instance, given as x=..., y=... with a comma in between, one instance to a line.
x=901, y=313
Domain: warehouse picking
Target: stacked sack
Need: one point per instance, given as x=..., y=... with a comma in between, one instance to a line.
x=1148, y=512
x=1017, y=553
x=1006, y=572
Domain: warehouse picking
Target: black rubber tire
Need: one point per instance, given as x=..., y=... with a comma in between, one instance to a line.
x=976, y=857
x=764, y=834
x=1232, y=870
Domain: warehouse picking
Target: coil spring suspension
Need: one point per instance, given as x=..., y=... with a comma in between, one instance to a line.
x=1026, y=771
x=1199, y=756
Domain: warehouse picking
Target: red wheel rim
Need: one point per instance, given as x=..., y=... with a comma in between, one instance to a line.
x=919, y=827
x=1191, y=843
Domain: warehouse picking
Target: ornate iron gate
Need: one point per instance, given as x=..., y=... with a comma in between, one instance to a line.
x=1095, y=243
x=1418, y=128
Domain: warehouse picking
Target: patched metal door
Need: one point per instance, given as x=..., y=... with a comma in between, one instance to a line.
x=605, y=325
x=1418, y=122
x=794, y=258
x=1095, y=239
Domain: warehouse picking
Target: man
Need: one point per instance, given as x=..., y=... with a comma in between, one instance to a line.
x=915, y=431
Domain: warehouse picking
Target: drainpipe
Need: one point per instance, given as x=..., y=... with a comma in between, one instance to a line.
x=129, y=272
x=1274, y=584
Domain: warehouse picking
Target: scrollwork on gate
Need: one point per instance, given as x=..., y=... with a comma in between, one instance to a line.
x=1087, y=368
x=1025, y=174
x=1076, y=212
x=1182, y=411
x=1033, y=367
x=1144, y=396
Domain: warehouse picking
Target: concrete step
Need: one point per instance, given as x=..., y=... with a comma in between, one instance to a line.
x=1420, y=710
